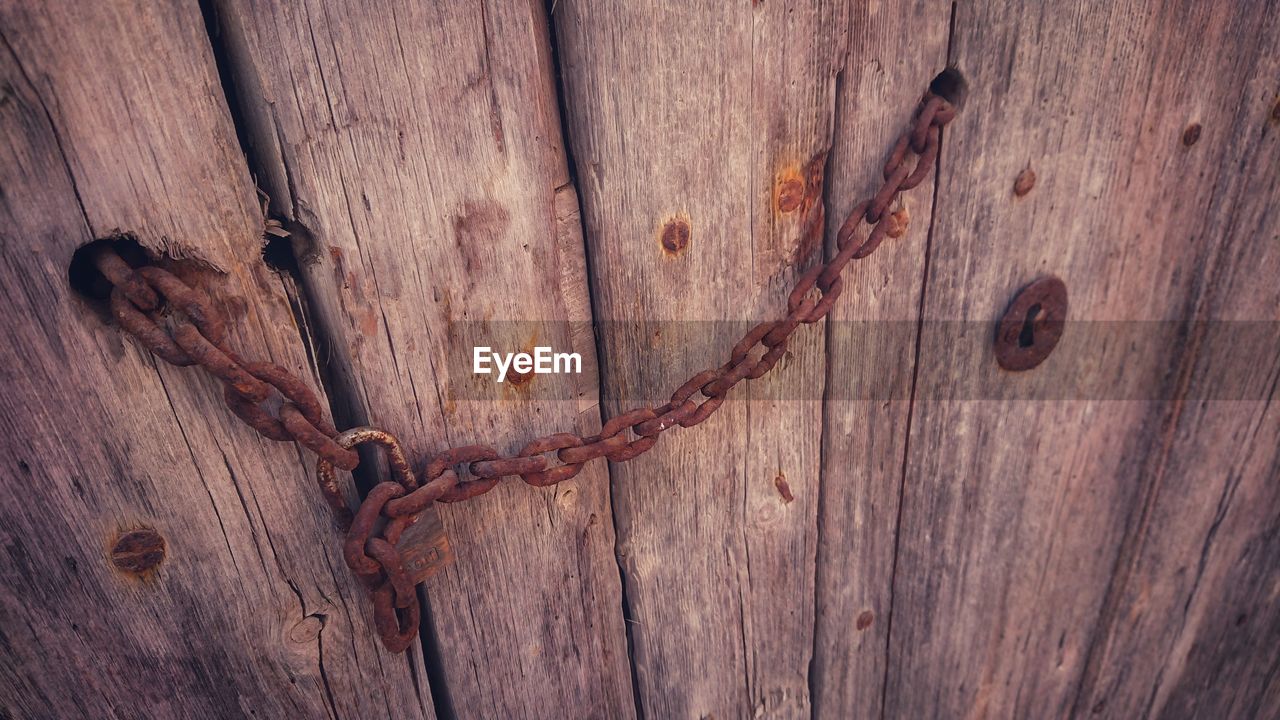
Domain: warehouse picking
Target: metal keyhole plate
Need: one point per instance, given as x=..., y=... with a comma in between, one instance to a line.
x=1032, y=326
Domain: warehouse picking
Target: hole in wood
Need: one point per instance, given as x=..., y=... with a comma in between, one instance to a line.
x=951, y=85
x=83, y=275
x=287, y=246
x=277, y=253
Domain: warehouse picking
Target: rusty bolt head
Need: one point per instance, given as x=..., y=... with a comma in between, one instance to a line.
x=138, y=551
x=1032, y=326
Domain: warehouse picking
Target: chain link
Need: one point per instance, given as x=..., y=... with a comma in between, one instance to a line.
x=179, y=324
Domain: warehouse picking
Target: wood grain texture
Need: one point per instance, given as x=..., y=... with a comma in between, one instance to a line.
x=1081, y=555
x=112, y=120
x=688, y=124
x=417, y=147
x=940, y=539
x=1191, y=626
x=895, y=50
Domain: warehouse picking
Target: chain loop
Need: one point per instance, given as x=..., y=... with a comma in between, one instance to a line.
x=418, y=500
x=627, y=421
x=353, y=549
x=464, y=455
x=559, y=441
x=397, y=627
x=384, y=553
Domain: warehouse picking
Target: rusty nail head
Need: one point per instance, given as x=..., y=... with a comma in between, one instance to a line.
x=138, y=551
x=1024, y=182
x=1033, y=324
x=675, y=236
x=1191, y=135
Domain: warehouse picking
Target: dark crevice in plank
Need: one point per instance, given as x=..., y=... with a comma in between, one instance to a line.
x=324, y=677
x=592, y=295
x=1152, y=470
x=627, y=616
x=906, y=445
x=257, y=143
x=827, y=381
x=938, y=169
x=314, y=341
x=433, y=663
x=566, y=142
x=1273, y=680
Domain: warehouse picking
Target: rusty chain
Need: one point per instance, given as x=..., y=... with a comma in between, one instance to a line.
x=179, y=324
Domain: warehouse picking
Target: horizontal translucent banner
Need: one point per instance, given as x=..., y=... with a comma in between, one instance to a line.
x=644, y=362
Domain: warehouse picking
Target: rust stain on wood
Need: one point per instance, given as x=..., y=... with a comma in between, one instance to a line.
x=809, y=209
x=520, y=381
x=788, y=191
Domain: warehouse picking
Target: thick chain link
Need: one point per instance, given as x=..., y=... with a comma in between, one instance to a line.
x=178, y=324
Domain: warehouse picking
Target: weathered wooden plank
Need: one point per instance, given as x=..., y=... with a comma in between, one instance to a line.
x=1059, y=557
x=1190, y=627
x=895, y=49
x=417, y=147
x=707, y=125
x=112, y=120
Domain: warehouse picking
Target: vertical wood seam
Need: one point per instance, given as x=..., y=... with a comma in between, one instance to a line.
x=566, y=143
x=310, y=335
x=230, y=67
x=822, y=414
x=915, y=374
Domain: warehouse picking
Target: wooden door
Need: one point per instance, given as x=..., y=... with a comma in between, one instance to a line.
x=887, y=525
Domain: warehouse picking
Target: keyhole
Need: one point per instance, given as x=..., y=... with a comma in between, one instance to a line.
x=1027, y=337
